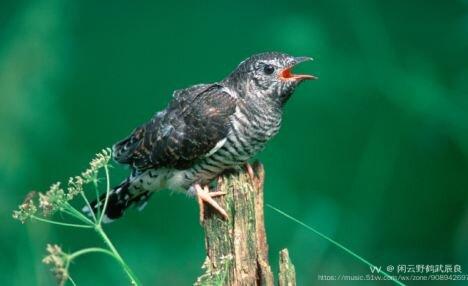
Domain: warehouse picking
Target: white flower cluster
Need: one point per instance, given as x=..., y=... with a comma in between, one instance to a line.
x=55, y=198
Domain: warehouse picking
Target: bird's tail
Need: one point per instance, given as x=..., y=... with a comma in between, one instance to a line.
x=120, y=198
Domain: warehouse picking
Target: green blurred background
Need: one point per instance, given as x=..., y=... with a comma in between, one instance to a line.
x=374, y=154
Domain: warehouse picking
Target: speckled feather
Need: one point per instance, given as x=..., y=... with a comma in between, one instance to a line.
x=195, y=120
x=204, y=130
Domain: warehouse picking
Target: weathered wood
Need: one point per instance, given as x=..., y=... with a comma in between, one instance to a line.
x=237, y=249
x=287, y=273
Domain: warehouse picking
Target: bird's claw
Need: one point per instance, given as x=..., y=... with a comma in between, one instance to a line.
x=205, y=196
x=250, y=171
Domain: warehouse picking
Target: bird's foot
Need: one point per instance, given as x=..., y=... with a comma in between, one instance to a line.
x=250, y=171
x=256, y=173
x=205, y=196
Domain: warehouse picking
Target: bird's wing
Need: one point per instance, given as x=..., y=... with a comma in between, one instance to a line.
x=195, y=121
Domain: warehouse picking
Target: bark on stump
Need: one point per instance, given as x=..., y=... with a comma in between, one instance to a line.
x=237, y=249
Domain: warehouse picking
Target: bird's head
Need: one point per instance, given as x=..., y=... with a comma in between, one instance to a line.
x=268, y=77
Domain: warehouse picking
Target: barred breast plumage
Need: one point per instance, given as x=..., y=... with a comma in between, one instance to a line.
x=204, y=130
x=251, y=129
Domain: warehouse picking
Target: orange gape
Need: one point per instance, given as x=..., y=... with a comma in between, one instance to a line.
x=286, y=73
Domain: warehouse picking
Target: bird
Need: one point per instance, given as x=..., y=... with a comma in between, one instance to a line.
x=204, y=130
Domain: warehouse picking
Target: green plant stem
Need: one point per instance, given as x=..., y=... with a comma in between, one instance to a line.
x=72, y=281
x=74, y=212
x=73, y=215
x=339, y=245
x=106, y=169
x=83, y=195
x=133, y=279
x=61, y=223
x=89, y=250
x=98, y=205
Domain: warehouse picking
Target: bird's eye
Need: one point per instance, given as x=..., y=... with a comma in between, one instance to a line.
x=268, y=69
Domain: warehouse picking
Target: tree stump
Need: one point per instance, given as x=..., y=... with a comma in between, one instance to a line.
x=237, y=249
x=287, y=273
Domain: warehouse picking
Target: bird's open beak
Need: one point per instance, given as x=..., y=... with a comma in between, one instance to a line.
x=287, y=74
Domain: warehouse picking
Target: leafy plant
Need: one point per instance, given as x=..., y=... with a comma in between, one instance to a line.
x=42, y=206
